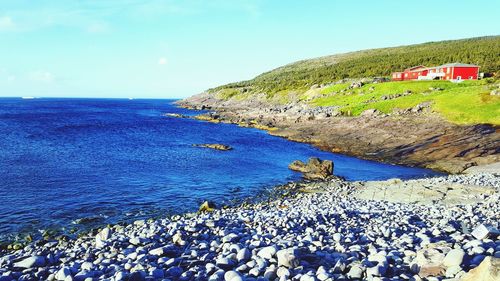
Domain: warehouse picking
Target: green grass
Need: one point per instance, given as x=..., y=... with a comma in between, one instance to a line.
x=468, y=102
x=301, y=75
x=463, y=103
x=334, y=88
x=226, y=94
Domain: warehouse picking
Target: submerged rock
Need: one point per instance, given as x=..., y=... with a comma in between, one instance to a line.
x=216, y=146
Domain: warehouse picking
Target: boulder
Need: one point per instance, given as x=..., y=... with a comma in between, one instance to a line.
x=355, y=85
x=371, y=113
x=429, y=260
x=287, y=258
x=314, y=169
x=30, y=262
x=454, y=258
x=207, y=206
x=488, y=270
x=102, y=236
x=356, y=272
x=243, y=255
x=63, y=273
x=232, y=276
x=485, y=231
x=267, y=252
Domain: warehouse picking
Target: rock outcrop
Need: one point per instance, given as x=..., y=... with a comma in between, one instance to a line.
x=413, y=136
x=314, y=169
x=216, y=146
x=488, y=270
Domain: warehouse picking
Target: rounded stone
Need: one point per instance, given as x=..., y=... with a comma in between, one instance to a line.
x=454, y=257
x=232, y=276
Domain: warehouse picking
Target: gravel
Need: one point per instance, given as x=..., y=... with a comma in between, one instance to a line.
x=326, y=235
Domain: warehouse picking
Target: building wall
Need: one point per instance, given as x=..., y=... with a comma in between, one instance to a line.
x=413, y=75
x=397, y=76
x=465, y=72
x=449, y=73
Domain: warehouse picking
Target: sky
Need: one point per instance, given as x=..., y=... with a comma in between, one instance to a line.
x=174, y=48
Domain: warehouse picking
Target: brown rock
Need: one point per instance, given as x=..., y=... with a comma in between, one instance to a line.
x=429, y=260
x=315, y=169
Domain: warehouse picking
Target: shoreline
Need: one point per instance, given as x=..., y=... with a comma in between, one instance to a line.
x=417, y=138
x=327, y=229
x=84, y=225
x=271, y=131
x=89, y=226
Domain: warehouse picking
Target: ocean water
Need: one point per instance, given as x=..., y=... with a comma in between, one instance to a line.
x=76, y=163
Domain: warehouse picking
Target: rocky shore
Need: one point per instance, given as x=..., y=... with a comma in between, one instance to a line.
x=323, y=230
x=413, y=137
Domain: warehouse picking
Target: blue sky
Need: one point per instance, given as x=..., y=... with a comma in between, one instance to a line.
x=173, y=49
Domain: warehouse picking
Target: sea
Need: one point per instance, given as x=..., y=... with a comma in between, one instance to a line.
x=68, y=165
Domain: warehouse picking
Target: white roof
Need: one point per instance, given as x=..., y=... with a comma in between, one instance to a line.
x=458, y=64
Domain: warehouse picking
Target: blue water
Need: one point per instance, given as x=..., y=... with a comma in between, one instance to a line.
x=113, y=160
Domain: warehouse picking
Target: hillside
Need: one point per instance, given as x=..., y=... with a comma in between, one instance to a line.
x=325, y=81
x=336, y=104
x=300, y=75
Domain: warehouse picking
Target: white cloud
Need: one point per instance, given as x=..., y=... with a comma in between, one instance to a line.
x=42, y=76
x=6, y=23
x=162, y=61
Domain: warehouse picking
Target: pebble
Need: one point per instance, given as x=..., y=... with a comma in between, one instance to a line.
x=322, y=236
x=454, y=258
x=356, y=272
x=243, y=255
x=287, y=258
x=232, y=276
x=267, y=252
x=30, y=262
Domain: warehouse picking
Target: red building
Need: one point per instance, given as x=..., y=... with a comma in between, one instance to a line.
x=449, y=71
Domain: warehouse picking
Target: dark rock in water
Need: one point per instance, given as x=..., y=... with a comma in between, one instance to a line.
x=88, y=220
x=314, y=169
x=207, y=206
x=216, y=146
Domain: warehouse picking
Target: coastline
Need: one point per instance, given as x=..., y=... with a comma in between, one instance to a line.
x=320, y=230
x=312, y=230
x=418, y=138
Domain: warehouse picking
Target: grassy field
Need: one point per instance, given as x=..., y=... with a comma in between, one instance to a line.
x=468, y=102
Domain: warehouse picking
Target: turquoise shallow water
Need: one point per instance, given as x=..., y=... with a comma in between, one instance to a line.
x=110, y=160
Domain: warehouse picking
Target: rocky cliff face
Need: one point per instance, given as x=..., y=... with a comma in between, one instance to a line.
x=415, y=137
